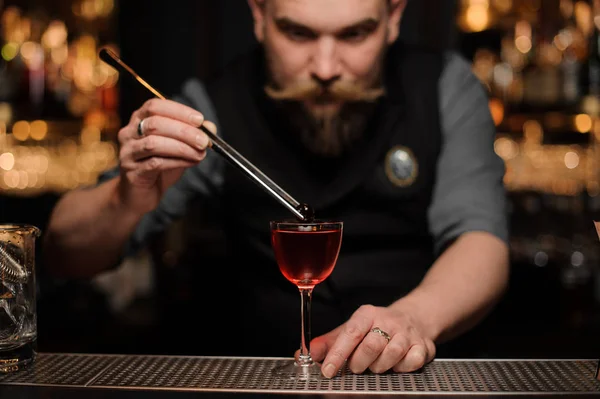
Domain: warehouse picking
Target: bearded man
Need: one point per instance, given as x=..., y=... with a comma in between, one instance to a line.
x=394, y=140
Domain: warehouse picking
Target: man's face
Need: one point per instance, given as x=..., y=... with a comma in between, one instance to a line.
x=325, y=53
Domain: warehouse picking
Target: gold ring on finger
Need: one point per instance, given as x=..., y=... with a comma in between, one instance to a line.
x=379, y=331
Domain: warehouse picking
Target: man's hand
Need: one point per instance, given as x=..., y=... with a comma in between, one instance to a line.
x=89, y=227
x=154, y=156
x=408, y=348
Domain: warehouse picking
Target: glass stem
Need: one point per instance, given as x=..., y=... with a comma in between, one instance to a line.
x=305, y=358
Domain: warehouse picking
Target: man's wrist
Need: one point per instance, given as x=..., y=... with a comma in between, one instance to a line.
x=418, y=306
x=118, y=204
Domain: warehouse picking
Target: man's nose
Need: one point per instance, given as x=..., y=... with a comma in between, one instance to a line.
x=326, y=66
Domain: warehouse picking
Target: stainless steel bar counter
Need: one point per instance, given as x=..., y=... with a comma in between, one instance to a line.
x=89, y=376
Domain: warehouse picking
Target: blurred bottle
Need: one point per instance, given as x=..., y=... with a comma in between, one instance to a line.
x=570, y=40
x=543, y=82
x=571, y=69
x=542, y=86
x=590, y=74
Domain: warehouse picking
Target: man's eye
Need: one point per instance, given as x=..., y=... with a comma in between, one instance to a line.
x=299, y=34
x=354, y=35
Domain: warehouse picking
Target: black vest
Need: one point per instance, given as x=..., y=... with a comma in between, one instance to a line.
x=386, y=246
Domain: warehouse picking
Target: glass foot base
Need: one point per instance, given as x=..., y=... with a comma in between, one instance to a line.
x=295, y=371
x=18, y=358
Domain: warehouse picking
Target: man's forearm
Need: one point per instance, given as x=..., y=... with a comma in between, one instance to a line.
x=461, y=287
x=87, y=231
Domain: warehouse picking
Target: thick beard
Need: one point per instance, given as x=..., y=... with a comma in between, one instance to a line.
x=330, y=133
x=324, y=132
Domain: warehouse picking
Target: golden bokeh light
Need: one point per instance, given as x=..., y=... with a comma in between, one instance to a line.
x=21, y=130
x=23, y=180
x=533, y=132
x=477, y=17
x=583, y=123
x=32, y=179
x=11, y=179
x=571, y=160
x=64, y=64
x=523, y=44
x=7, y=161
x=497, y=110
x=28, y=50
x=38, y=130
x=55, y=35
x=506, y=148
x=583, y=17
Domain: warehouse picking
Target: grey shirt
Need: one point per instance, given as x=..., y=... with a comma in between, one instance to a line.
x=469, y=194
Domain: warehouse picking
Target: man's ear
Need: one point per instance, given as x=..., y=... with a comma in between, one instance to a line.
x=396, y=9
x=258, y=14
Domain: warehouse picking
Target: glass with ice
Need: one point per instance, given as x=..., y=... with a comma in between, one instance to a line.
x=18, y=319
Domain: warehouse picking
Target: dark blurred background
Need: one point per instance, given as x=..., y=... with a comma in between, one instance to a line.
x=60, y=110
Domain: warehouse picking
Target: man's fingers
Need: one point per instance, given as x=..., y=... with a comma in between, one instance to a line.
x=210, y=126
x=415, y=358
x=352, y=333
x=164, y=147
x=171, y=109
x=320, y=345
x=367, y=351
x=431, y=351
x=163, y=126
x=393, y=352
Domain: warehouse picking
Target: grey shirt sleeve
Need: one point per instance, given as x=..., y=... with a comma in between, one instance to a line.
x=469, y=193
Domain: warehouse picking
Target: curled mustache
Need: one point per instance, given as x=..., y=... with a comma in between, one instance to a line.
x=337, y=91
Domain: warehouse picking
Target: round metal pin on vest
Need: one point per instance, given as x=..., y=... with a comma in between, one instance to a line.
x=401, y=166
